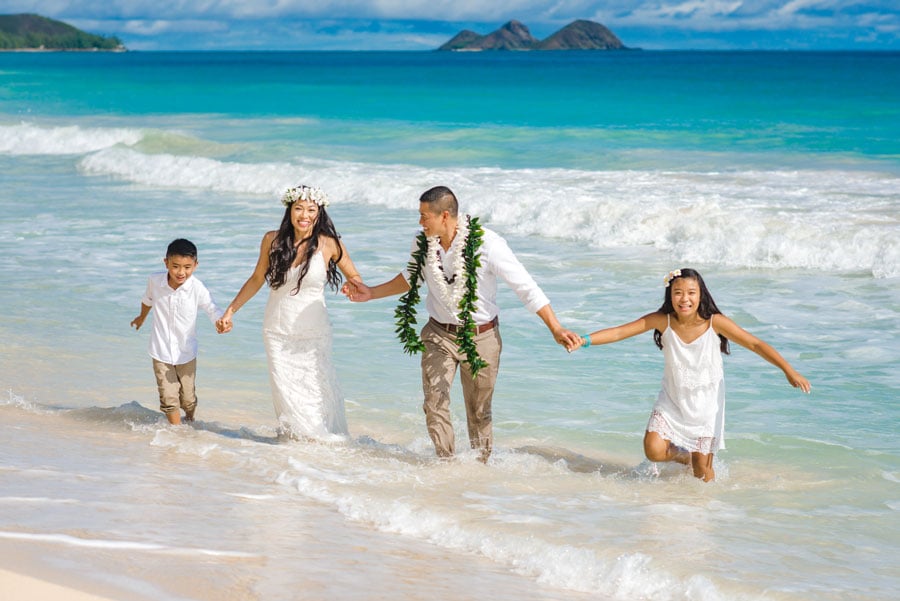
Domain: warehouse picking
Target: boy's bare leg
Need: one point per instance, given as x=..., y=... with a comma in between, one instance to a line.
x=174, y=417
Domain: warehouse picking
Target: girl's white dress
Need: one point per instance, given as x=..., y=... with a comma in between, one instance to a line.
x=297, y=334
x=690, y=410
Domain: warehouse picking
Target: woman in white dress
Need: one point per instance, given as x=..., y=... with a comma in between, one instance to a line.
x=687, y=424
x=297, y=261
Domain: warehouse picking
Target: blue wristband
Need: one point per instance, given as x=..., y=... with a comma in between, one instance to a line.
x=587, y=341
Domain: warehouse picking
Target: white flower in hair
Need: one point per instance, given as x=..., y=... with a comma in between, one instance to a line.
x=671, y=276
x=306, y=194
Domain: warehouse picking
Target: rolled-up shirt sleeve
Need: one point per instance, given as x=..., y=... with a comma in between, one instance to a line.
x=206, y=304
x=147, y=299
x=504, y=263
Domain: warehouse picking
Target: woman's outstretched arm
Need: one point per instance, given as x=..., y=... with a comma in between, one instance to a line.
x=251, y=286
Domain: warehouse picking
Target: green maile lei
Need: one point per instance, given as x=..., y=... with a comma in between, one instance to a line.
x=406, y=311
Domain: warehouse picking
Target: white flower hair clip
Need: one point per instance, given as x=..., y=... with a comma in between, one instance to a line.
x=304, y=193
x=671, y=276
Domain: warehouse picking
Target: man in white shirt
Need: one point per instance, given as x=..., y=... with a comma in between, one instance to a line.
x=176, y=296
x=460, y=262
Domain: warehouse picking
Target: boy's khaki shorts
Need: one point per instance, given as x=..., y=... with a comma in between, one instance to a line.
x=176, y=386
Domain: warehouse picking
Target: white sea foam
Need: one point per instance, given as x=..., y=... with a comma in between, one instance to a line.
x=118, y=545
x=821, y=220
x=565, y=566
x=171, y=171
x=200, y=447
x=37, y=500
x=27, y=139
x=569, y=567
x=250, y=497
x=15, y=400
x=365, y=491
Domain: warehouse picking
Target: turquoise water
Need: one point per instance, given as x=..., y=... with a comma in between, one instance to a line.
x=774, y=174
x=501, y=105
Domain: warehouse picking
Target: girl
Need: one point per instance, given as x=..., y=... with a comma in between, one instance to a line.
x=687, y=422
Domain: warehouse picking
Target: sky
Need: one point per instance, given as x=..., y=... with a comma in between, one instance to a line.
x=426, y=24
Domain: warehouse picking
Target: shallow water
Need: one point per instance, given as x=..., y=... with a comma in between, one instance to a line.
x=795, y=233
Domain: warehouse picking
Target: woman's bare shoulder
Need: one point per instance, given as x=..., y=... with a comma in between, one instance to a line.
x=329, y=246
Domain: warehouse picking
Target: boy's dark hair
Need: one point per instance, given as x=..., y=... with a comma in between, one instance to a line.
x=706, y=309
x=182, y=248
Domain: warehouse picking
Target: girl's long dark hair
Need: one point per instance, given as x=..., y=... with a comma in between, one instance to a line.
x=284, y=251
x=706, y=309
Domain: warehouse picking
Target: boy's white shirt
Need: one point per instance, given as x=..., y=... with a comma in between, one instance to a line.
x=173, y=338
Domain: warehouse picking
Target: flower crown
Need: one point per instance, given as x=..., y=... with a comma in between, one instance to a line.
x=305, y=193
x=671, y=276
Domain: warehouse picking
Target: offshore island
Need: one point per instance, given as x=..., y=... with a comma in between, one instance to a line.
x=577, y=35
x=33, y=33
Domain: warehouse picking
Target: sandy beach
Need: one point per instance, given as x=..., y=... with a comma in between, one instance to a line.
x=19, y=587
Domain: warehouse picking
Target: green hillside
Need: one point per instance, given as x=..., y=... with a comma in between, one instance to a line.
x=35, y=32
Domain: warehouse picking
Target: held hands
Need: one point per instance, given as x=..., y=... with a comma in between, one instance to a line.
x=568, y=339
x=224, y=323
x=138, y=321
x=356, y=291
x=583, y=341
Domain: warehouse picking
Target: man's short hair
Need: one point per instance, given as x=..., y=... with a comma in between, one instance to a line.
x=440, y=199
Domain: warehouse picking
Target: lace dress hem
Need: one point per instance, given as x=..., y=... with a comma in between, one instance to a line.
x=704, y=444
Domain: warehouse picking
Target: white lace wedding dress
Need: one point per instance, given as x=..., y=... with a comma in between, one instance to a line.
x=297, y=335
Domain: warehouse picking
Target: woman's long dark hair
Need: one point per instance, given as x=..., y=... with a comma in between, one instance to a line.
x=284, y=251
x=706, y=309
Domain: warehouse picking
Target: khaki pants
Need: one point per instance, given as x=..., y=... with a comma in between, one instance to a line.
x=439, y=362
x=176, y=386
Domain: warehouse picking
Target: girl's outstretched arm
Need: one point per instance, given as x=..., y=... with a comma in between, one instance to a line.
x=650, y=321
x=726, y=327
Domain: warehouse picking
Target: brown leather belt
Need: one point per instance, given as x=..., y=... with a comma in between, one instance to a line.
x=454, y=329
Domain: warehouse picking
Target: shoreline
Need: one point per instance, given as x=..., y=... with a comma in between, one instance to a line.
x=32, y=571
x=21, y=587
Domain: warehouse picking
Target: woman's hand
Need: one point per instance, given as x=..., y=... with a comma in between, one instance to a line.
x=224, y=323
x=356, y=291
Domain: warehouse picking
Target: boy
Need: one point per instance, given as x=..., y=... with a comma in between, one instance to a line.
x=173, y=341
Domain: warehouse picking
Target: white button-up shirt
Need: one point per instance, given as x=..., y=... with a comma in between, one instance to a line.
x=497, y=261
x=173, y=338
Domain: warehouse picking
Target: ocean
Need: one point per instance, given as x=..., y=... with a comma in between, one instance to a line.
x=775, y=174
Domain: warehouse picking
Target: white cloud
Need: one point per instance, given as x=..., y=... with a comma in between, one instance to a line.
x=142, y=27
x=692, y=14
x=147, y=28
x=736, y=15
